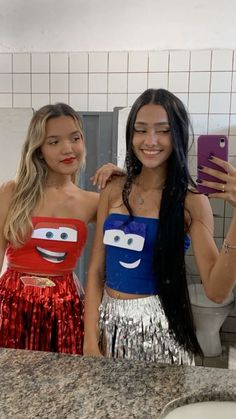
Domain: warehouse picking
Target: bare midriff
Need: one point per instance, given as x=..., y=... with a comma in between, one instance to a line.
x=123, y=295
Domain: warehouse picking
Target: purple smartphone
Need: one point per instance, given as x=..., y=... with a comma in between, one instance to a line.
x=217, y=145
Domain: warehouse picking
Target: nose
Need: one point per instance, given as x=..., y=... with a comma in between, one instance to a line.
x=151, y=138
x=67, y=147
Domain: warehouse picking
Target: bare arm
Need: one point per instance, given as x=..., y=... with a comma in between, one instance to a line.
x=217, y=270
x=5, y=197
x=95, y=281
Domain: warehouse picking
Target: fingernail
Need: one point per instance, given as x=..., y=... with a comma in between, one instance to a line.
x=211, y=156
x=199, y=181
x=200, y=167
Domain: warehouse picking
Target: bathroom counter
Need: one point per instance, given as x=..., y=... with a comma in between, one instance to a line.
x=46, y=385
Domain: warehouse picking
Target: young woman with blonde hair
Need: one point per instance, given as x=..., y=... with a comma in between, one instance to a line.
x=43, y=229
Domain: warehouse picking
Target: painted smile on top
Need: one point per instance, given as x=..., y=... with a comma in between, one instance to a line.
x=55, y=257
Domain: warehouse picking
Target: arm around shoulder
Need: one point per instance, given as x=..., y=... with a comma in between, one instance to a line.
x=6, y=191
x=95, y=280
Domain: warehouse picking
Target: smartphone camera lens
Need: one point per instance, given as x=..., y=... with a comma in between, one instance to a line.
x=222, y=142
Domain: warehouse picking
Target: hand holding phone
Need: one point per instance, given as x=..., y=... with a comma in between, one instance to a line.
x=210, y=145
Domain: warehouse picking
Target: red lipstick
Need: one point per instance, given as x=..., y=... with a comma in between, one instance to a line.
x=68, y=160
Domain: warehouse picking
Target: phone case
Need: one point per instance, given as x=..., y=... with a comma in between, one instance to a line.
x=216, y=145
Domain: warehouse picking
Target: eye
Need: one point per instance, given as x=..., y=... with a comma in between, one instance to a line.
x=129, y=241
x=49, y=234
x=64, y=236
x=116, y=238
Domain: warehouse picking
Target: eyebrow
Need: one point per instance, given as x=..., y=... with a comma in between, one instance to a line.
x=58, y=136
x=156, y=124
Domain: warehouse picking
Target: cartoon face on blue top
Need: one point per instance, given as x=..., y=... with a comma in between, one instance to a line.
x=127, y=241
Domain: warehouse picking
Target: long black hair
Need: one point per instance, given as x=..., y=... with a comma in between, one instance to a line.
x=169, y=261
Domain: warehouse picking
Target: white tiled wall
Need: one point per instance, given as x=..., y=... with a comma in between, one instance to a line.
x=205, y=80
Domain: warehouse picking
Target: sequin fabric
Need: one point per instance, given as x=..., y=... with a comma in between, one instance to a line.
x=41, y=319
x=138, y=329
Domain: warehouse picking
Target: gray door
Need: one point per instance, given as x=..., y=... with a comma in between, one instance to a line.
x=101, y=144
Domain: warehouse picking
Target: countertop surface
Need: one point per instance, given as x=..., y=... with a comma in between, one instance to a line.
x=46, y=385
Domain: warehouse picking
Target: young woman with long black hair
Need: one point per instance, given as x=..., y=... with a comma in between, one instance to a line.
x=136, y=301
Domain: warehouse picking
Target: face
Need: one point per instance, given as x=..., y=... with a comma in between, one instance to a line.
x=152, y=143
x=63, y=147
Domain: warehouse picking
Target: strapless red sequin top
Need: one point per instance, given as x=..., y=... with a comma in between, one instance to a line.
x=54, y=247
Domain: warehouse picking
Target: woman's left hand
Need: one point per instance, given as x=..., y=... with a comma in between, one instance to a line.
x=227, y=181
x=105, y=173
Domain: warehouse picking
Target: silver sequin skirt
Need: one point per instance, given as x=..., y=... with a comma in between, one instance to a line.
x=138, y=329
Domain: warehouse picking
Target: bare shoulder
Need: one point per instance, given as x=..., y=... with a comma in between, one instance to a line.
x=6, y=191
x=197, y=204
x=199, y=209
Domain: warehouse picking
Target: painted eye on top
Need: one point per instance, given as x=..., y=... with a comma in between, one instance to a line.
x=49, y=234
x=118, y=238
x=65, y=234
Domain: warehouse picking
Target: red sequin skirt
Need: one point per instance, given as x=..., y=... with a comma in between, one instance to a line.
x=41, y=318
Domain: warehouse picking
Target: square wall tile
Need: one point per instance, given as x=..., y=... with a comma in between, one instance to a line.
x=5, y=100
x=98, y=62
x=59, y=83
x=138, y=62
x=21, y=63
x=232, y=145
x=200, y=60
x=233, y=103
x=219, y=227
x=78, y=62
x=222, y=60
x=21, y=100
x=59, y=63
x=158, y=80
x=218, y=124
x=40, y=63
x=59, y=97
x=21, y=83
x=117, y=100
x=117, y=82
x=79, y=102
x=97, y=102
x=131, y=98
x=233, y=124
x=137, y=82
x=219, y=103
x=179, y=60
x=118, y=62
x=39, y=100
x=184, y=98
x=218, y=207
x=199, y=81
x=221, y=81
x=5, y=83
x=198, y=102
x=78, y=83
x=199, y=123
x=158, y=61
x=228, y=210
x=178, y=82
x=234, y=82
x=5, y=63
x=98, y=83
x=40, y=83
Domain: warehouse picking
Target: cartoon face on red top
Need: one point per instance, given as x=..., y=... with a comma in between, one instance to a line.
x=54, y=241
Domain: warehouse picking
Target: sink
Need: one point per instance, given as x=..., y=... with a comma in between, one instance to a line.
x=204, y=410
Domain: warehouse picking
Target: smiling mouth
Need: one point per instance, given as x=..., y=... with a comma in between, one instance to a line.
x=54, y=257
x=130, y=265
x=151, y=152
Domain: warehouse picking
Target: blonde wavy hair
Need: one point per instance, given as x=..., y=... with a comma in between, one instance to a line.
x=31, y=174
